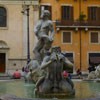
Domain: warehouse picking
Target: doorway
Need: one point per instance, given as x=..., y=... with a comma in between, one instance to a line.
x=2, y=62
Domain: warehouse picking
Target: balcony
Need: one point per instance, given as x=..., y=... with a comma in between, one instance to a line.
x=70, y=23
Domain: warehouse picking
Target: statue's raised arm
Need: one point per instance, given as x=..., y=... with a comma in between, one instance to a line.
x=51, y=31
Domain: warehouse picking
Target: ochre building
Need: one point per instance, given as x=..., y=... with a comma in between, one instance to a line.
x=77, y=29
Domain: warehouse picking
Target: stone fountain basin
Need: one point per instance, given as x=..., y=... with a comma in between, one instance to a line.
x=85, y=90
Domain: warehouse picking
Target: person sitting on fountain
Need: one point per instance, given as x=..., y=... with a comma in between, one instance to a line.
x=79, y=73
x=16, y=74
x=45, y=33
x=91, y=67
x=65, y=74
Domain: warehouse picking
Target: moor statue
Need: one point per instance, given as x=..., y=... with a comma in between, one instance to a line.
x=54, y=82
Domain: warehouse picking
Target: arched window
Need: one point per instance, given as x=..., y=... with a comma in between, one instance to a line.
x=3, y=17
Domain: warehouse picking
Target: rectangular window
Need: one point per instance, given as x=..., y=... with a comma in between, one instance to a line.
x=46, y=7
x=94, y=13
x=94, y=58
x=67, y=13
x=94, y=37
x=3, y=17
x=66, y=37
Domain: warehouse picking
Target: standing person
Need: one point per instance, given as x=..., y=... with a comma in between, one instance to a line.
x=25, y=70
x=42, y=30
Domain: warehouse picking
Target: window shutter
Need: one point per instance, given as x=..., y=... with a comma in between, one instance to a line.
x=71, y=13
x=98, y=13
x=89, y=13
x=62, y=12
x=94, y=37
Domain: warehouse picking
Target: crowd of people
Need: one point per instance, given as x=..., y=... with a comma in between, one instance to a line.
x=17, y=74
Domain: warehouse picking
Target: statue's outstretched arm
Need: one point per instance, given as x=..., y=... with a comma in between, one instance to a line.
x=68, y=63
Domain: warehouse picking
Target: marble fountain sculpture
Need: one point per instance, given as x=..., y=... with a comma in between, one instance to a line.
x=47, y=65
x=94, y=74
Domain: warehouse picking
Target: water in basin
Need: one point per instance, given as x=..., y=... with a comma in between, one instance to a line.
x=21, y=89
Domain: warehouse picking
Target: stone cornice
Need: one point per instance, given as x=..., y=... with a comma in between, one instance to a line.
x=27, y=2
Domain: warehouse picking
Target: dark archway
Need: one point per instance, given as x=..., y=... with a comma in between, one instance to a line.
x=3, y=56
x=2, y=62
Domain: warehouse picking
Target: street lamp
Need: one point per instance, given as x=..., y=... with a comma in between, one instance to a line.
x=26, y=12
x=80, y=35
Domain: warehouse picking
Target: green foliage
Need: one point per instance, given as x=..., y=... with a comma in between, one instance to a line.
x=82, y=17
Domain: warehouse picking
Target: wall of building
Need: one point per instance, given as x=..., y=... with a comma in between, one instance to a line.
x=75, y=46
x=15, y=34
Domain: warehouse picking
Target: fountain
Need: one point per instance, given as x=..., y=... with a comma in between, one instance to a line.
x=47, y=73
x=50, y=64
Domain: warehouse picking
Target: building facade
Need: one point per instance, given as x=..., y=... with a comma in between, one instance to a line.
x=77, y=28
x=14, y=32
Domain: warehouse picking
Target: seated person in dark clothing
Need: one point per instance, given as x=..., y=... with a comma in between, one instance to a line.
x=91, y=68
x=79, y=73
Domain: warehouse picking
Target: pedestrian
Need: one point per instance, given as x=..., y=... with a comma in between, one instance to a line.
x=79, y=73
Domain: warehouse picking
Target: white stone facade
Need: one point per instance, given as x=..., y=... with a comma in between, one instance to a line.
x=13, y=38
